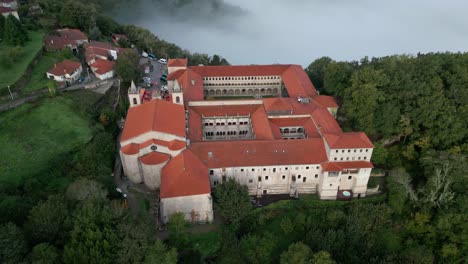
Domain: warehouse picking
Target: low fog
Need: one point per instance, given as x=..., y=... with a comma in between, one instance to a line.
x=299, y=31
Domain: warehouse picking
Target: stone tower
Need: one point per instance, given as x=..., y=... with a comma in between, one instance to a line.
x=134, y=95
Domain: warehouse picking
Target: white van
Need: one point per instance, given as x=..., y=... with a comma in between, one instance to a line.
x=144, y=54
x=162, y=61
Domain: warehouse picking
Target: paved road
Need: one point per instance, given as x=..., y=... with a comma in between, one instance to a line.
x=32, y=96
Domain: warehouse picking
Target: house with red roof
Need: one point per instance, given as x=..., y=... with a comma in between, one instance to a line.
x=101, y=56
x=65, y=38
x=66, y=71
x=9, y=7
x=286, y=143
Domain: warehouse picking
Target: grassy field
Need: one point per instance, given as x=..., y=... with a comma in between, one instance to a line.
x=9, y=75
x=38, y=75
x=32, y=136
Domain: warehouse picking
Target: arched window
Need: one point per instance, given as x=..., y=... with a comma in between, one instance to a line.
x=177, y=99
x=135, y=101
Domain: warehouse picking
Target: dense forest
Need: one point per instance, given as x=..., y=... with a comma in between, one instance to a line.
x=413, y=107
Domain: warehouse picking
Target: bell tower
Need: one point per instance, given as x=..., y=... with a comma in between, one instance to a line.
x=134, y=95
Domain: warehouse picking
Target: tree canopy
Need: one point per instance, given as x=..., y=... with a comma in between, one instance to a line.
x=233, y=200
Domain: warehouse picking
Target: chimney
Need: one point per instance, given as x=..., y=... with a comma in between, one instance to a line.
x=210, y=155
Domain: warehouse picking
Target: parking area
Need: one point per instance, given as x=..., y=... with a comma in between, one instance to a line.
x=153, y=70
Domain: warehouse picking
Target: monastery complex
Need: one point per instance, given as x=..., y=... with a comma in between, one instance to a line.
x=282, y=139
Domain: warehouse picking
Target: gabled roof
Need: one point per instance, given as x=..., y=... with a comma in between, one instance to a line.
x=348, y=140
x=273, y=105
x=66, y=36
x=297, y=82
x=155, y=115
x=184, y=175
x=177, y=63
x=326, y=101
x=64, y=67
x=175, y=75
x=101, y=66
x=339, y=166
x=225, y=154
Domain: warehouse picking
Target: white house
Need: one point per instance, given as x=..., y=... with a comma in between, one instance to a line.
x=66, y=71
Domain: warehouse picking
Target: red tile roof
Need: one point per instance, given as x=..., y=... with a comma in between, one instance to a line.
x=134, y=148
x=154, y=158
x=7, y=1
x=305, y=122
x=348, y=140
x=184, y=175
x=240, y=153
x=66, y=66
x=100, y=45
x=64, y=37
x=297, y=82
x=92, y=52
x=326, y=101
x=155, y=115
x=177, y=63
x=175, y=75
x=5, y=10
x=101, y=66
x=131, y=149
x=278, y=105
x=339, y=166
x=192, y=85
x=261, y=126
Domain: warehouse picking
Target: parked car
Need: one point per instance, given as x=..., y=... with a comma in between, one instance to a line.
x=152, y=56
x=81, y=79
x=144, y=54
x=162, y=61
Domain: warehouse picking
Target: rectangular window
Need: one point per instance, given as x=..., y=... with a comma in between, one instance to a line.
x=316, y=176
x=211, y=172
x=266, y=178
x=307, y=167
x=253, y=169
x=336, y=151
x=264, y=169
x=304, y=179
x=317, y=167
x=259, y=178
x=283, y=177
x=335, y=158
x=274, y=169
x=298, y=176
x=331, y=185
x=286, y=168
x=242, y=169
x=215, y=182
x=250, y=180
x=350, y=177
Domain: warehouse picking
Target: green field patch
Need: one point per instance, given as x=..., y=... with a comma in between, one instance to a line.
x=33, y=136
x=10, y=74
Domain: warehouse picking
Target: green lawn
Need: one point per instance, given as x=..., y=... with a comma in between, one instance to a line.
x=38, y=75
x=33, y=136
x=9, y=75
